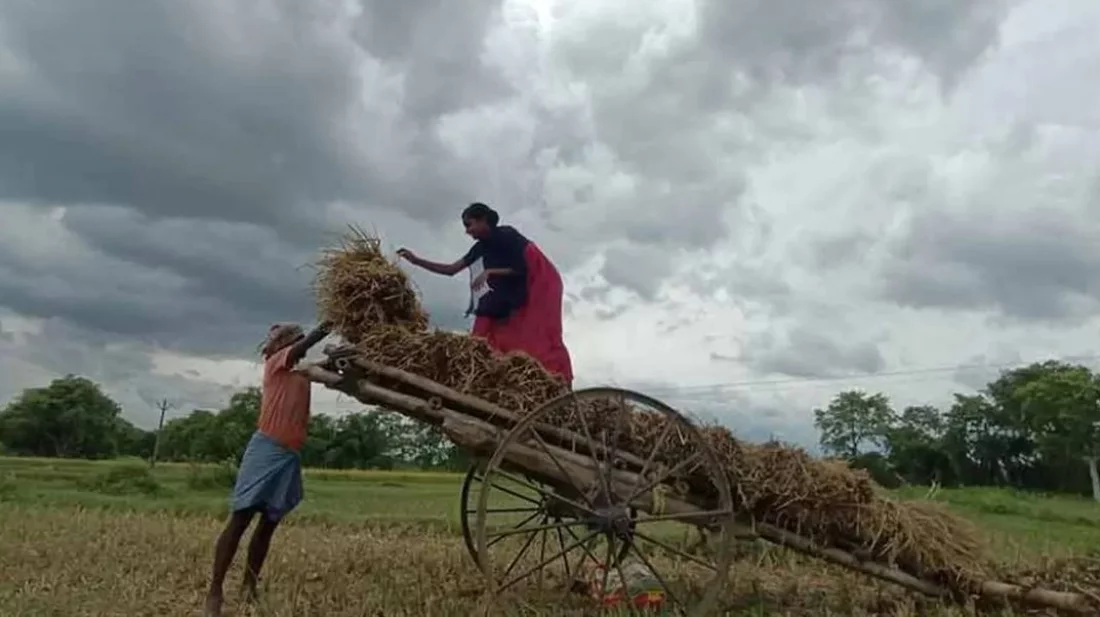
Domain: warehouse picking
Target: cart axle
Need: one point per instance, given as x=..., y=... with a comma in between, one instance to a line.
x=613, y=521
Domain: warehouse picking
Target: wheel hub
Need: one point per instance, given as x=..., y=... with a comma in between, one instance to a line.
x=614, y=521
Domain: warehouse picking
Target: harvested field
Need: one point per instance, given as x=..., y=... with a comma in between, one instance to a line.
x=384, y=543
x=362, y=291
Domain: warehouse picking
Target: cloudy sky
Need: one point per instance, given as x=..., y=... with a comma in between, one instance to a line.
x=755, y=204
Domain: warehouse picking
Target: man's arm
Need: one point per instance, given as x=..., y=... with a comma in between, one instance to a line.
x=298, y=350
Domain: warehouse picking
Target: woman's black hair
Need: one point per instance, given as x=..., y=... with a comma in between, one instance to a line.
x=480, y=212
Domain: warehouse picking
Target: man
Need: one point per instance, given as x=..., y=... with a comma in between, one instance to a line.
x=269, y=482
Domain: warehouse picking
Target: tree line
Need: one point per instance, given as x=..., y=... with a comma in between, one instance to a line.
x=1032, y=428
x=72, y=417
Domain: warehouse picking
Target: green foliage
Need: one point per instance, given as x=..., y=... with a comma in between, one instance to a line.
x=71, y=417
x=853, y=420
x=1032, y=428
x=221, y=476
x=125, y=479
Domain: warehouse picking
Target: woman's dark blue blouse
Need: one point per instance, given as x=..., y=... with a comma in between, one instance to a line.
x=503, y=248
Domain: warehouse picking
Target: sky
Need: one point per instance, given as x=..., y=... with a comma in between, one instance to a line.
x=755, y=205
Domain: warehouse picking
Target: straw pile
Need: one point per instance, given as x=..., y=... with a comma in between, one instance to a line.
x=369, y=299
x=360, y=290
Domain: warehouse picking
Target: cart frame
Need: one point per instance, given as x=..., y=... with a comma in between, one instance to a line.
x=600, y=488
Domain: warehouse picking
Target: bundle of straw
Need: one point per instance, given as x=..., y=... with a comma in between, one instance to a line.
x=359, y=290
x=369, y=299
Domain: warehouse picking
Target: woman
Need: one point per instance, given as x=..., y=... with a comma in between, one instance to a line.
x=269, y=482
x=522, y=309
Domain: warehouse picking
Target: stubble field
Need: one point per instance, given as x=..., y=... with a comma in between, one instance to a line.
x=81, y=538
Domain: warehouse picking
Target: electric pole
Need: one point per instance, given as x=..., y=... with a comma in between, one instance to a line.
x=163, y=406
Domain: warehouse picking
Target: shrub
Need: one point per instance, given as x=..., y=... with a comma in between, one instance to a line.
x=127, y=479
x=209, y=477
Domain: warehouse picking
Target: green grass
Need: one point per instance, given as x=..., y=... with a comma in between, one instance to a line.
x=332, y=496
x=1020, y=523
x=1017, y=523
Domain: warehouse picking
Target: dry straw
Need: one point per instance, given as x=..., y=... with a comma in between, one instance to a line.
x=373, y=305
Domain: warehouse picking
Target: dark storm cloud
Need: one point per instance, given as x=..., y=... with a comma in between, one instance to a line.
x=252, y=113
x=188, y=285
x=437, y=46
x=809, y=353
x=1031, y=266
x=126, y=372
x=101, y=293
x=197, y=144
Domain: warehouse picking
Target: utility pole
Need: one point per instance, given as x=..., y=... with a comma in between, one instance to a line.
x=163, y=406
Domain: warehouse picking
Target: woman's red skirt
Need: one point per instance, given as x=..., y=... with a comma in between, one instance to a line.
x=536, y=327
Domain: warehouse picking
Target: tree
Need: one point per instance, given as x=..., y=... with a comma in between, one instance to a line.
x=915, y=446
x=70, y=417
x=426, y=447
x=133, y=441
x=974, y=442
x=318, y=451
x=363, y=440
x=190, y=438
x=234, y=425
x=1062, y=405
x=852, y=420
x=1011, y=425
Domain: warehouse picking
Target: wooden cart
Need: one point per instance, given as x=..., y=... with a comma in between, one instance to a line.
x=589, y=509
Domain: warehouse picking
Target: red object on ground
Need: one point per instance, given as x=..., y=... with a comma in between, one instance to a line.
x=645, y=599
x=639, y=592
x=536, y=327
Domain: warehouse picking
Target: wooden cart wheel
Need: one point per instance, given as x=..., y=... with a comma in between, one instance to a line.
x=521, y=507
x=590, y=478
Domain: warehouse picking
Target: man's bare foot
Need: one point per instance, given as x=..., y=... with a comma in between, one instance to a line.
x=213, y=606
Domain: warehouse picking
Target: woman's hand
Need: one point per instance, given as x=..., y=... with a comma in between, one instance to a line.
x=479, y=281
x=406, y=254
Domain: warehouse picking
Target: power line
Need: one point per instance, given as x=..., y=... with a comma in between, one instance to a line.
x=770, y=384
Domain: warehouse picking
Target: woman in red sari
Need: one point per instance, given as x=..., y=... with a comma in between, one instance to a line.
x=522, y=310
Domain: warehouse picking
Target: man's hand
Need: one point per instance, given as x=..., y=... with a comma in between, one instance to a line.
x=406, y=254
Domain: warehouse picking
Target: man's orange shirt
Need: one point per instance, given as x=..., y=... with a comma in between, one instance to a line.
x=284, y=409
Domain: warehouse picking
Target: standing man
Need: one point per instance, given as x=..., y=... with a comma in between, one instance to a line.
x=269, y=482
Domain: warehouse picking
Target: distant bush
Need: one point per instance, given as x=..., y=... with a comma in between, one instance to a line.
x=126, y=479
x=210, y=477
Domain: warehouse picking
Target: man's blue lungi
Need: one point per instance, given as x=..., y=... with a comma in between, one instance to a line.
x=269, y=479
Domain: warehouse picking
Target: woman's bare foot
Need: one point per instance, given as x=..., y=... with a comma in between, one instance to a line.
x=213, y=606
